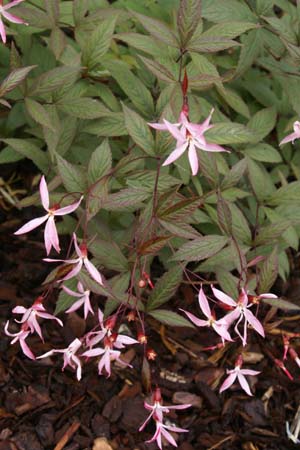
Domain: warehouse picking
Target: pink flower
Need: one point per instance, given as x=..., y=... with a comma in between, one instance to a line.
x=21, y=336
x=84, y=299
x=241, y=311
x=8, y=16
x=30, y=316
x=79, y=262
x=108, y=354
x=291, y=137
x=188, y=136
x=50, y=233
x=70, y=358
x=238, y=373
x=157, y=412
x=211, y=321
x=93, y=337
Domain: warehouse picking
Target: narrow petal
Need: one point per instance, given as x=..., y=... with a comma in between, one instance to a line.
x=146, y=421
x=87, y=306
x=45, y=315
x=75, y=306
x=223, y=297
x=203, y=303
x=249, y=372
x=230, y=317
x=267, y=296
x=26, y=350
x=11, y=17
x=2, y=31
x=44, y=193
x=31, y=225
x=210, y=147
x=51, y=236
x=78, y=364
x=168, y=436
x=94, y=352
x=195, y=320
x=193, y=158
x=244, y=383
x=93, y=271
x=289, y=138
x=254, y=322
x=68, y=209
x=76, y=269
x=228, y=382
x=70, y=292
x=176, y=154
x=19, y=310
x=172, y=128
x=222, y=331
x=12, y=4
x=77, y=249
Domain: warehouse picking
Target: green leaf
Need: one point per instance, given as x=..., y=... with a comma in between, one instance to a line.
x=260, y=180
x=224, y=216
x=73, y=177
x=228, y=282
x=139, y=130
x=158, y=70
x=263, y=152
x=54, y=79
x=281, y=303
x=289, y=194
x=235, y=101
x=250, y=50
x=132, y=86
x=125, y=200
x=83, y=108
x=216, y=11
x=158, y=29
x=262, y=123
x=98, y=43
x=229, y=133
x=109, y=255
x=235, y=174
x=65, y=300
x=100, y=163
x=165, y=288
x=57, y=42
x=228, y=30
x=268, y=272
x=188, y=18
x=14, y=79
x=272, y=232
x=80, y=8
x=200, y=248
x=170, y=318
x=112, y=125
x=52, y=9
x=211, y=44
x=31, y=151
x=38, y=113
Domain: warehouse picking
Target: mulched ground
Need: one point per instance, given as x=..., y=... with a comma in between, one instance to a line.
x=44, y=408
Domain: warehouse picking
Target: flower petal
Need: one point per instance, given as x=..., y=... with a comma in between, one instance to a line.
x=193, y=158
x=244, y=383
x=224, y=298
x=175, y=154
x=2, y=31
x=12, y=4
x=68, y=209
x=44, y=193
x=51, y=236
x=203, y=303
x=228, y=381
x=172, y=128
x=12, y=18
x=93, y=271
x=195, y=320
x=31, y=225
x=254, y=322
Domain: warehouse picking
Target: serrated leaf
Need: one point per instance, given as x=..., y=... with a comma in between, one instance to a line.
x=153, y=246
x=38, y=113
x=263, y=152
x=100, y=162
x=132, y=86
x=235, y=174
x=216, y=11
x=125, y=200
x=170, y=318
x=57, y=42
x=158, y=70
x=188, y=18
x=272, y=232
x=262, y=123
x=211, y=44
x=200, y=248
x=260, y=180
x=250, y=50
x=268, y=272
x=224, y=216
x=31, y=151
x=229, y=29
x=165, y=288
x=158, y=29
x=83, y=108
x=228, y=282
x=229, y=133
x=52, y=9
x=98, y=43
x=14, y=79
x=289, y=194
x=139, y=130
x=110, y=126
x=281, y=303
x=54, y=79
x=109, y=255
x=73, y=177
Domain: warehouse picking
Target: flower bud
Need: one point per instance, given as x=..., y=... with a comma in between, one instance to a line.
x=151, y=354
x=142, y=338
x=142, y=283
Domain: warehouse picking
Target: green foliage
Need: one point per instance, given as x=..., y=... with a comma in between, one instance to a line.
x=79, y=88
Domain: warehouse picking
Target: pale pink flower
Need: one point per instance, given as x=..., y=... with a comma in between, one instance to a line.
x=21, y=336
x=70, y=358
x=108, y=354
x=238, y=373
x=93, y=337
x=82, y=259
x=291, y=137
x=241, y=311
x=83, y=299
x=188, y=136
x=8, y=16
x=30, y=316
x=157, y=412
x=50, y=233
x=217, y=325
